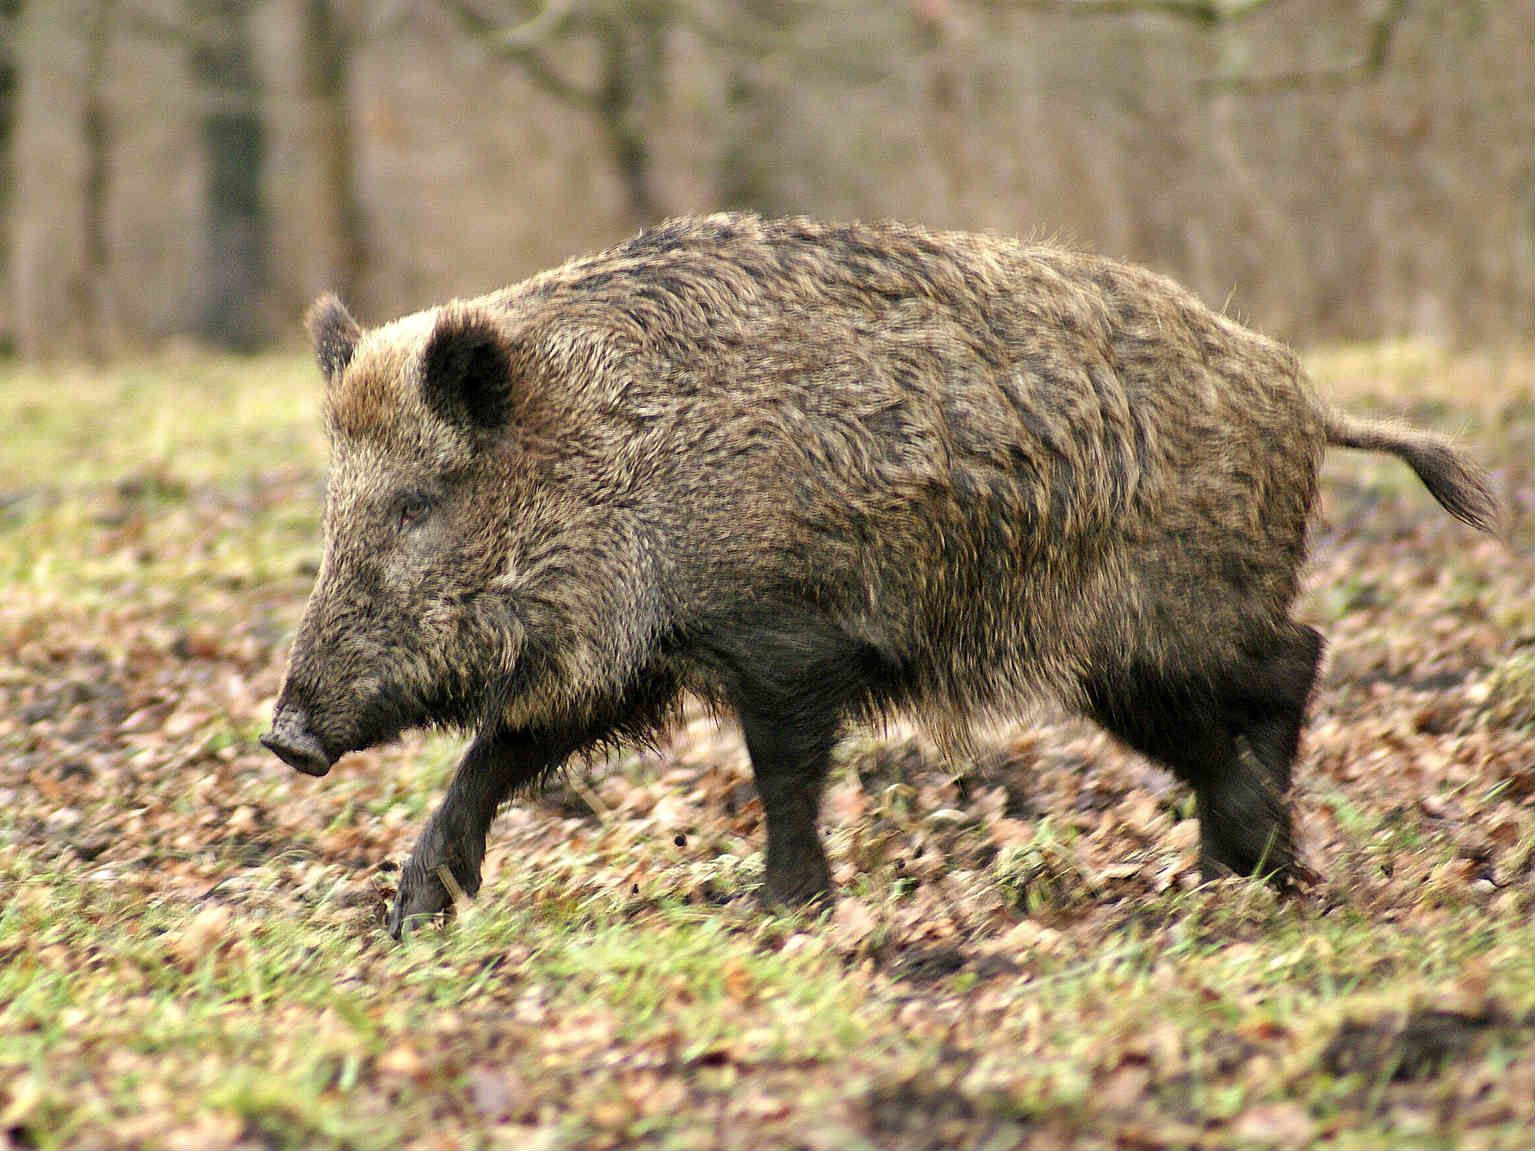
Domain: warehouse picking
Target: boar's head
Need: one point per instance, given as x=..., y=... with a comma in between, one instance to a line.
x=405, y=626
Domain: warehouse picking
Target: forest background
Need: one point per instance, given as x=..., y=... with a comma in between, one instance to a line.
x=205, y=167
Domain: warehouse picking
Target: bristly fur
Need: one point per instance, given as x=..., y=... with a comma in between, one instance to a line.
x=815, y=472
x=333, y=334
x=1461, y=487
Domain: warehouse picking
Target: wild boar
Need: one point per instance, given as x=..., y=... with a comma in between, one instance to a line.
x=814, y=472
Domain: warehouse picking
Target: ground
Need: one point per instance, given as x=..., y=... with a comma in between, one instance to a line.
x=192, y=950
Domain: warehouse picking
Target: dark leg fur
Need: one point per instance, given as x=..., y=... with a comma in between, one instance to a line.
x=495, y=765
x=792, y=684
x=789, y=759
x=1233, y=738
x=498, y=763
x=1272, y=708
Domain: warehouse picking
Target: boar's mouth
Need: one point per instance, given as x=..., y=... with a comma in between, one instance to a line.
x=308, y=758
x=293, y=737
x=310, y=737
x=293, y=741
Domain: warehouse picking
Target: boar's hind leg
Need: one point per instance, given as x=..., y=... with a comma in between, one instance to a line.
x=1269, y=705
x=495, y=765
x=792, y=687
x=1245, y=823
x=1233, y=738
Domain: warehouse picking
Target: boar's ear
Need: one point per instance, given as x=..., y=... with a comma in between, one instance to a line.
x=333, y=333
x=465, y=371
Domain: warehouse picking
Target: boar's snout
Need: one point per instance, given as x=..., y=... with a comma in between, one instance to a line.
x=293, y=742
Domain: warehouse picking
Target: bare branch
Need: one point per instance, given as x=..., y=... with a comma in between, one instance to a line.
x=516, y=45
x=158, y=26
x=539, y=71
x=537, y=29
x=1368, y=64
x=742, y=30
x=379, y=21
x=1382, y=34
x=1199, y=11
x=749, y=35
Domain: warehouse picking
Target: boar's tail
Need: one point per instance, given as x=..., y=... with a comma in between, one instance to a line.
x=1461, y=487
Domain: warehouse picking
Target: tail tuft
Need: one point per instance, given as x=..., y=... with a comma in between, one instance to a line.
x=1462, y=488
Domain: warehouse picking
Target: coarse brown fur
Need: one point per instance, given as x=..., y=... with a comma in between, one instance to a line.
x=814, y=472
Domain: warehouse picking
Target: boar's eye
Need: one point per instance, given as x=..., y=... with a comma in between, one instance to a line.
x=412, y=509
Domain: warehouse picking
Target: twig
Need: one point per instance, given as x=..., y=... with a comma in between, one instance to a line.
x=1368, y=64
x=462, y=904
x=536, y=29
x=521, y=44
x=1199, y=11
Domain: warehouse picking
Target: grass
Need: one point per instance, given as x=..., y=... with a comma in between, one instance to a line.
x=191, y=943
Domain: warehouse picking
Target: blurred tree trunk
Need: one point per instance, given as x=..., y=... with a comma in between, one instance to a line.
x=949, y=95
x=326, y=63
x=743, y=179
x=741, y=183
x=92, y=288
x=56, y=215
x=10, y=27
x=631, y=76
x=231, y=311
x=630, y=37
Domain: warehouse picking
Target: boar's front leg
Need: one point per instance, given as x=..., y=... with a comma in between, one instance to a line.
x=792, y=684
x=789, y=761
x=496, y=764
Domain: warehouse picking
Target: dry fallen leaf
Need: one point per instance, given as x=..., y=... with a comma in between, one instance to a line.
x=490, y=1090
x=845, y=804
x=1283, y=1125
x=852, y=922
x=1122, y=1090
x=738, y=981
x=203, y=935
x=209, y=1129
x=25, y=1095
x=403, y=1061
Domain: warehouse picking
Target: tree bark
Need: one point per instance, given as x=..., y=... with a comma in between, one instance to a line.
x=326, y=62
x=93, y=286
x=631, y=54
x=10, y=26
x=233, y=294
